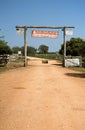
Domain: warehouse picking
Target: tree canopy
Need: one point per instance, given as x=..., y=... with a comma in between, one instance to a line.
x=43, y=49
x=4, y=48
x=74, y=47
x=16, y=49
x=30, y=50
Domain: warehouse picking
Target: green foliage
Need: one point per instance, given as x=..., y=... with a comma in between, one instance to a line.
x=83, y=64
x=47, y=56
x=31, y=51
x=61, y=51
x=16, y=49
x=82, y=49
x=74, y=47
x=43, y=49
x=4, y=48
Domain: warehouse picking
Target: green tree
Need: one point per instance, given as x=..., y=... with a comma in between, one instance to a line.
x=43, y=49
x=74, y=47
x=82, y=49
x=4, y=48
x=31, y=51
x=16, y=49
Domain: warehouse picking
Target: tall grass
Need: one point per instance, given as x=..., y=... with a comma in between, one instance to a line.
x=46, y=56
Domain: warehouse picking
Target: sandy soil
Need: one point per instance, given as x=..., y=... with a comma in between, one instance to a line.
x=42, y=97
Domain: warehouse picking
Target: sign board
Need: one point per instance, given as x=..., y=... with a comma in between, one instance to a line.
x=45, y=34
x=19, y=52
x=72, y=62
x=19, y=31
x=69, y=32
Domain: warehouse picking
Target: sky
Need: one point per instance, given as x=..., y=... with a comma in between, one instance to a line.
x=41, y=13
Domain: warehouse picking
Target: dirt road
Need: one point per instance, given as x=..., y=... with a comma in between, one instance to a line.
x=42, y=97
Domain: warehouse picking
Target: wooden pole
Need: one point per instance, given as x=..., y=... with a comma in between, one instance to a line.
x=25, y=47
x=48, y=27
x=64, y=39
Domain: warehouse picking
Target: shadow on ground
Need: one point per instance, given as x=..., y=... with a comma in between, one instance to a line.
x=58, y=64
x=77, y=75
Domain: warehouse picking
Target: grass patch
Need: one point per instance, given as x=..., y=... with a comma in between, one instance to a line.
x=3, y=69
x=47, y=56
x=12, y=65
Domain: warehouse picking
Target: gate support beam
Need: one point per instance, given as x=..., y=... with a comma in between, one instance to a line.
x=25, y=47
x=63, y=28
x=64, y=42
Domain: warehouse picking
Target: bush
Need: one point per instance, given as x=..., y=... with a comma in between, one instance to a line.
x=4, y=48
x=83, y=62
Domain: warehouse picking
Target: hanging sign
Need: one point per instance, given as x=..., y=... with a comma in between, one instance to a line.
x=19, y=31
x=45, y=34
x=69, y=32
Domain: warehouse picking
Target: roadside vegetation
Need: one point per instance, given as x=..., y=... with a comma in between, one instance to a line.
x=74, y=47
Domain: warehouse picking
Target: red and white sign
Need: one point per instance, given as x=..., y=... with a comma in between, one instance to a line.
x=45, y=34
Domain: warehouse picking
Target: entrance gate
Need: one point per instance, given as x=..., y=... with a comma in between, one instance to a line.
x=63, y=28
